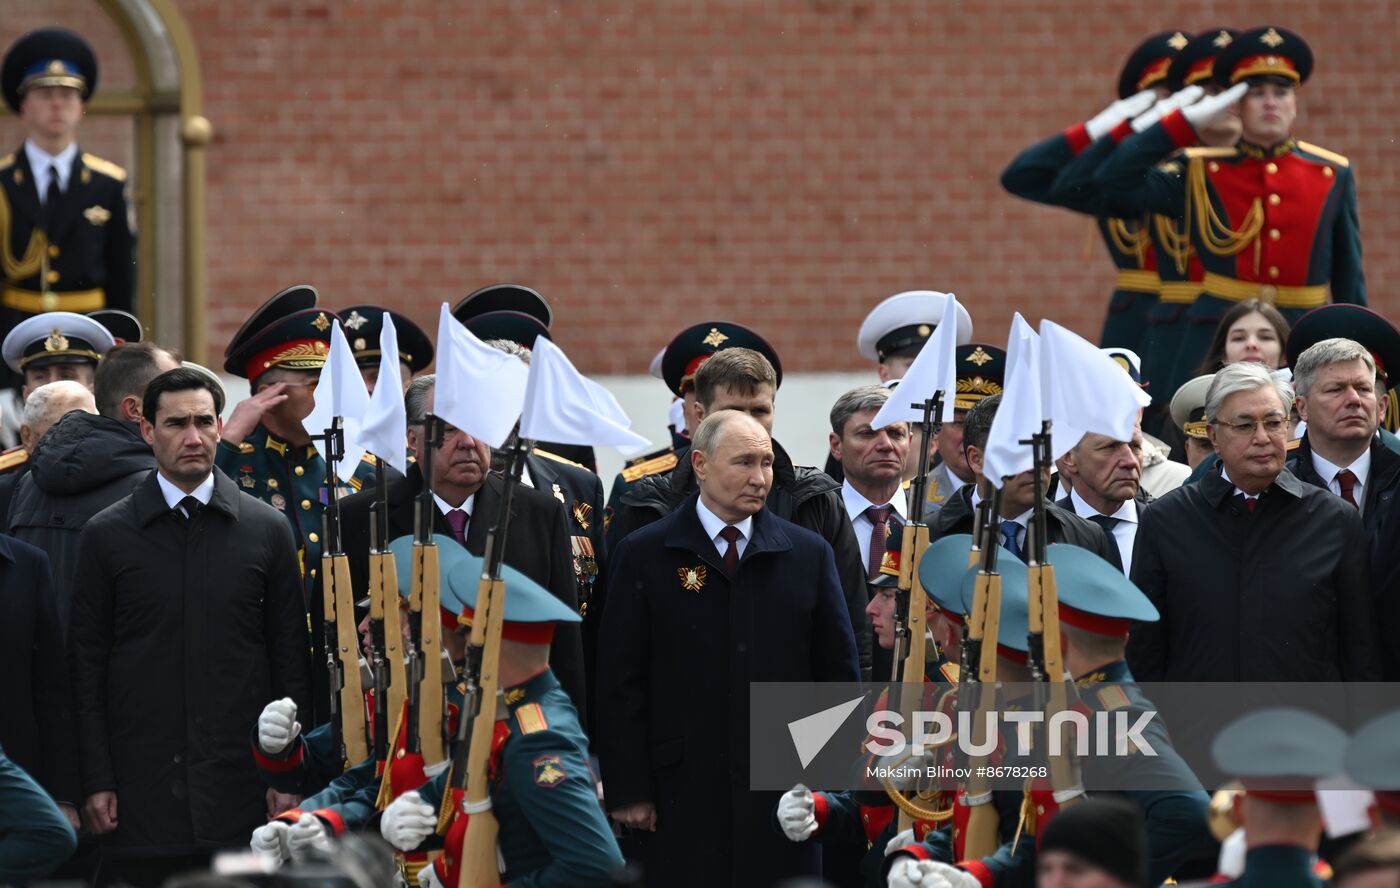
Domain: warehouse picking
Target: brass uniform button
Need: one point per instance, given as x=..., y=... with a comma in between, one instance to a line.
x=1327, y=172
x=306, y=504
x=1275, y=234
x=299, y=471
x=49, y=302
x=1213, y=167
x=1275, y=200
x=271, y=483
x=1271, y=167
x=313, y=537
x=1268, y=293
x=52, y=277
x=53, y=251
x=1273, y=271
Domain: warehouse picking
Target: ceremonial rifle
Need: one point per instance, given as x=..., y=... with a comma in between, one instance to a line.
x=1043, y=642
x=911, y=609
x=423, y=728
x=347, y=697
x=472, y=756
x=385, y=633
x=977, y=682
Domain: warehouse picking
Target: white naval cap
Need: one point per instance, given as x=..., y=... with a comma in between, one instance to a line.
x=55, y=337
x=904, y=322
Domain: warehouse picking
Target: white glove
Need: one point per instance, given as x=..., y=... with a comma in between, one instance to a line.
x=407, y=821
x=308, y=834
x=1206, y=110
x=909, y=873
x=1179, y=99
x=796, y=814
x=1102, y=124
x=271, y=839
x=900, y=840
x=427, y=877
x=278, y=726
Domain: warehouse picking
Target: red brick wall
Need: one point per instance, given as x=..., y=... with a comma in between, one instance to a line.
x=647, y=165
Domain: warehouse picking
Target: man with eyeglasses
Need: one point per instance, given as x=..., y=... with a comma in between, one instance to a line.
x=1257, y=575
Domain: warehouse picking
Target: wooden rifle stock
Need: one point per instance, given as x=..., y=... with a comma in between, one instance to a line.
x=983, y=629
x=340, y=609
x=429, y=648
x=478, y=856
x=914, y=543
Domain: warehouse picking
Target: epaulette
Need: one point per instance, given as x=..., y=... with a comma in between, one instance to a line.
x=557, y=458
x=1112, y=697
x=245, y=447
x=7, y=161
x=1208, y=151
x=1293, y=444
x=646, y=457
x=1330, y=156
x=105, y=167
x=651, y=467
x=950, y=672
x=531, y=719
x=369, y=460
x=12, y=458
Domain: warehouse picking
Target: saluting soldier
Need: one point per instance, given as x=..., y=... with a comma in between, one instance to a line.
x=68, y=245
x=362, y=325
x=1032, y=175
x=981, y=369
x=265, y=449
x=1271, y=217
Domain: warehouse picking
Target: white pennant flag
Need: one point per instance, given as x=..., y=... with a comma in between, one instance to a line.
x=1085, y=390
x=564, y=406
x=383, y=430
x=934, y=370
x=1019, y=414
x=341, y=392
x=480, y=390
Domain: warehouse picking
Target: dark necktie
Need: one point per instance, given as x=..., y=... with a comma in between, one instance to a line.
x=1347, y=481
x=1107, y=522
x=186, y=509
x=457, y=520
x=879, y=529
x=1009, y=534
x=53, y=192
x=731, y=554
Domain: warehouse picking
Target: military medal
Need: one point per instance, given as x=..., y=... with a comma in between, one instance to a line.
x=585, y=571
x=582, y=513
x=692, y=578
x=279, y=501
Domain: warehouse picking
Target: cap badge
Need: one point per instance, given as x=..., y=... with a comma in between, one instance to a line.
x=56, y=67
x=1177, y=41
x=979, y=357
x=56, y=341
x=1271, y=39
x=692, y=578
x=97, y=215
x=1222, y=40
x=355, y=321
x=321, y=323
x=714, y=338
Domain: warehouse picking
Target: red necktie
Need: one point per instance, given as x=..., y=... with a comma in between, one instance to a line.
x=457, y=520
x=731, y=554
x=1347, y=481
x=879, y=530
x=1250, y=502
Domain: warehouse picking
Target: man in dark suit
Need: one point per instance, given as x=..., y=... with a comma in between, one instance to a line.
x=36, y=716
x=1017, y=500
x=1105, y=478
x=187, y=617
x=724, y=591
x=467, y=499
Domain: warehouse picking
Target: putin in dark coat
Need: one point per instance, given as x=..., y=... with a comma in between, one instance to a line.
x=718, y=594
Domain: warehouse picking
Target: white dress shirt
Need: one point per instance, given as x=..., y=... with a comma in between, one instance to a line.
x=40, y=162
x=1124, y=532
x=173, y=495
x=713, y=524
x=1361, y=468
x=1226, y=475
x=444, y=507
x=856, y=504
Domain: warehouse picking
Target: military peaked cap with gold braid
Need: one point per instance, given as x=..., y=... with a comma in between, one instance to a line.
x=47, y=57
x=1148, y=64
x=1264, y=52
x=981, y=373
x=286, y=331
x=695, y=345
x=1195, y=64
x=364, y=323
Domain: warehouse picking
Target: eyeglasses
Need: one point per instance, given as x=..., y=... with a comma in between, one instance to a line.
x=1273, y=427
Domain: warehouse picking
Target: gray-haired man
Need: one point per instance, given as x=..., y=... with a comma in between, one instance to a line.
x=1257, y=576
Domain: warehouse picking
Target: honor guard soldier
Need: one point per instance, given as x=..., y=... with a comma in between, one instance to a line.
x=1032, y=175
x=1271, y=217
x=679, y=360
x=518, y=314
x=1279, y=754
x=551, y=827
x=363, y=324
x=266, y=451
x=1373, y=760
x=69, y=243
x=47, y=348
